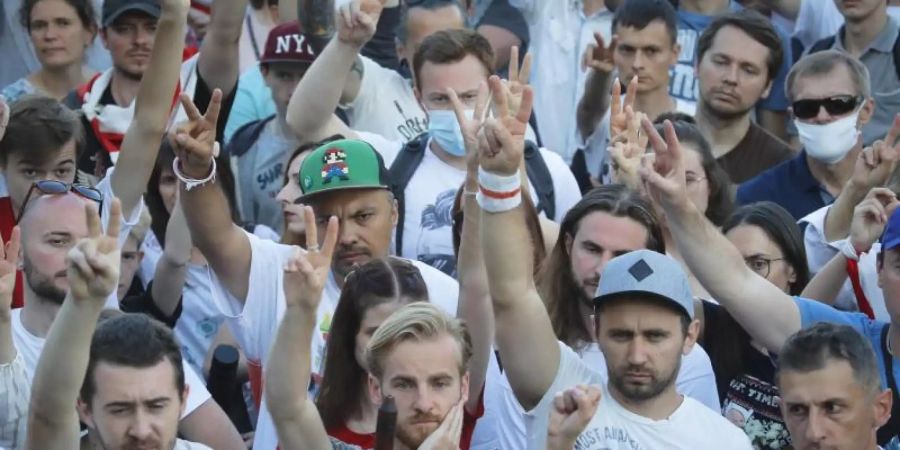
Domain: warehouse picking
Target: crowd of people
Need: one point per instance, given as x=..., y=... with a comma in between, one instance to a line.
x=449, y=224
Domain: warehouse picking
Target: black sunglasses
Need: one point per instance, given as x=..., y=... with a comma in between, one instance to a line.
x=53, y=187
x=836, y=106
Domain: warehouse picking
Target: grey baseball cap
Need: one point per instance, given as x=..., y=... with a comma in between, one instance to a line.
x=645, y=272
x=112, y=9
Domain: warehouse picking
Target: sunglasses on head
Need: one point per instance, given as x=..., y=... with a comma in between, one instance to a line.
x=53, y=187
x=836, y=106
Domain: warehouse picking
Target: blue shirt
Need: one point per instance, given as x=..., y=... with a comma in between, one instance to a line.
x=789, y=184
x=253, y=101
x=683, y=82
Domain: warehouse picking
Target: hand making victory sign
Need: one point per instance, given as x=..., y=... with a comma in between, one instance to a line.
x=664, y=177
x=93, y=271
x=503, y=145
x=9, y=259
x=305, y=273
x=194, y=140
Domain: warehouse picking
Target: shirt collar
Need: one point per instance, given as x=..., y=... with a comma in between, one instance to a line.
x=883, y=43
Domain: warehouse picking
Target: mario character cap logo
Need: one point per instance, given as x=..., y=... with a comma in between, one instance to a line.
x=342, y=164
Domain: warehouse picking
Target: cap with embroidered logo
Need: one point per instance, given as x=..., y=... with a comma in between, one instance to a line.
x=287, y=44
x=342, y=164
x=645, y=273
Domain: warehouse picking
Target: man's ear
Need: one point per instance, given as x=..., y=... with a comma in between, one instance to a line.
x=693, y=332
x=884, y=400
x=184, y=397
x=768, y=90
x=395, y=210
x=84, y=413
x=866, y=112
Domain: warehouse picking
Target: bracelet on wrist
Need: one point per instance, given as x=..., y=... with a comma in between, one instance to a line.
x=498, y=193
x=191, y=183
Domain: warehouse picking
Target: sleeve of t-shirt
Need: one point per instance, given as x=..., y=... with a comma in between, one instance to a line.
x=812, y=312
x=387, y=148
x=443, y=290
x=571, y=371
x=202, y=96
x=565, y=188
x=144, y=304
x=14, y=402
x=197, y=393
x=697, y=380
x=777, y=100
x=254, y=322
x=367, y=99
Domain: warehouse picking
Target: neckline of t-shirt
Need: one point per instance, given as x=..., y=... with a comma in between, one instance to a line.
x=634, y=417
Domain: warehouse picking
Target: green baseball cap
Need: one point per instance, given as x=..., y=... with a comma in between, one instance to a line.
x=342, y=164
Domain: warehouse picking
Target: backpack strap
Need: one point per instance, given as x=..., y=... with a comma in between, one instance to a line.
x=245, y=136
x=823, y=44
x=541, y=180
x=897, y=56
x=400, y=172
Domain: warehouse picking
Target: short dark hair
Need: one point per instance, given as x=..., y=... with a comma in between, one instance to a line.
x=40, y=126
x=450, y=46
x=84, y=8
x=756, y=26
x=641, y=13
x=810, y=349
x=720, y=202
x=132, y=340
x=402, y=33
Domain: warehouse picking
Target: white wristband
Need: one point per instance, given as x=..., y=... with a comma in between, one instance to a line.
x=498, y=193
x=848, y=250
x=191, y=183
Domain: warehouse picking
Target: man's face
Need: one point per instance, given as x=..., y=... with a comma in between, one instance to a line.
x=52, y=225
x=424, y=379
x=829, y=409
x=601, y=237
x=857, y=10
x=21, y=172
x=463, y=76
x=134, y=408
x=366, y=218
x=282, y=78
x=643, y=343
x=838, y=82
x=733, y=74
x=647, y=53
x=130, y=41
x=422, y=23
x=131, y=262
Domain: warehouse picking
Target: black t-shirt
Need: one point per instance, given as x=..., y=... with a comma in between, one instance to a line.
x=749, y=396
x=142, y=302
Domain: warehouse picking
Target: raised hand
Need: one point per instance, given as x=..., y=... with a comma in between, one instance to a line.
x=471, y=127
x=93, y=271
x=4, y=116
x=194, y=140
x=357, y=20
x=664, y=177
x=870, y=217
x=518, y=79
x=627, y=149
x=9, y=258
x=503, y=146
x=305, y=273
x=572, y=411
x=875, y=164
x=618, y=120
x=447, y=435
x=598, y=56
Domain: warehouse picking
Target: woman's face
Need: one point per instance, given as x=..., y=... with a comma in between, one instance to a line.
x=763, y=255
x=168, y=188
x=293, y=213
x=695, y=176
x=371, y=320
x=60, y=38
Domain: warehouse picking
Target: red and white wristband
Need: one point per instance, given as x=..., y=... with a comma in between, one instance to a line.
x=498, y=193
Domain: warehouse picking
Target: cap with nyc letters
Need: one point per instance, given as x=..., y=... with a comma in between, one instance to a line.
x=287, y=44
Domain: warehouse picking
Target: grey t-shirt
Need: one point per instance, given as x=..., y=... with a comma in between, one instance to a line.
x=261, y=173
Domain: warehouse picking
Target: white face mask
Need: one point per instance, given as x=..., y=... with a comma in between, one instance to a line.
x=830, y=142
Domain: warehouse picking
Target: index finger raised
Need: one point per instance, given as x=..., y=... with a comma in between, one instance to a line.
x=215, y=106
x=115, y=219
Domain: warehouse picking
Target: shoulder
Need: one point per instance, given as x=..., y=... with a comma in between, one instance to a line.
x=768, y=179
x=706, y=419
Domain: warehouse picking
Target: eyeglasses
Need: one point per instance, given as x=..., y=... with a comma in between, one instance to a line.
x=836, y=106
x=762, y=266
x=53, y=187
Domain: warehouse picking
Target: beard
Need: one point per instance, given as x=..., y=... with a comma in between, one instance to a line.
x=100, y=443
x=412, y=434
x=43, y=285
x=723, y=114
x=642, y=392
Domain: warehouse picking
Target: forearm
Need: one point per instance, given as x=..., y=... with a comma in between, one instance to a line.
x=218, y=60
x=171, y=270
x=506, y=247
x=318, y=93
x=151, y=110
x=840, y=215
x=594, y=102
x=288, y=369
x=474, y=302
x=209, y=425
x=826, y=285
x=768, y=314
x=60, y=370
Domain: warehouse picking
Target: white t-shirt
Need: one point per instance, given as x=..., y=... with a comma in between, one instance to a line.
x=386, y=105
x=255, y=322
x=692, y=426
x=181, y=444
x=427, y=233
x=696, y=380
x=31, y=346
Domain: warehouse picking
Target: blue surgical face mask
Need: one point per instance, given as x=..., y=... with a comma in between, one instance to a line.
x=444, y=128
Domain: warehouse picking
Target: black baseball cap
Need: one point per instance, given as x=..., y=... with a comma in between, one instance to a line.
x=112, y=9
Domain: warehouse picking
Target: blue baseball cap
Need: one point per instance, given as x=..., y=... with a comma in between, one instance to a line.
x=890, y=239
x=646, y=273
